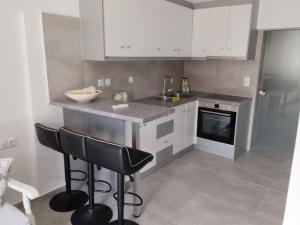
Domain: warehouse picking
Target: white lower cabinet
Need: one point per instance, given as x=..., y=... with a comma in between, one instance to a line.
x=155, y=137
x=185, y=126
x=169, y=135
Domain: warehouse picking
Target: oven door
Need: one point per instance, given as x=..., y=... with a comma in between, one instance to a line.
x=216, y=125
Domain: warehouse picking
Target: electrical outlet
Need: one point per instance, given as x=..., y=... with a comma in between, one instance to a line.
x=100, y=83
x=247, y=81
x=130, y=79
x=8, y=143
x=107, y=82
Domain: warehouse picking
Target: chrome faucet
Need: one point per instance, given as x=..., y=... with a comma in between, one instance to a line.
x=171, y=81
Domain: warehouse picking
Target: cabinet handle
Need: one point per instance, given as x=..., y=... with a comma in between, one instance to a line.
x=166, y=142
x=122, y=47
x=158, y=49
x=128, y=47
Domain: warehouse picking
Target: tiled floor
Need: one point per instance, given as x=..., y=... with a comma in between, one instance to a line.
x=202, y=189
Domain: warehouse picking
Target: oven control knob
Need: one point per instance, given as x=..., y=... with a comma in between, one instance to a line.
x=217, y=106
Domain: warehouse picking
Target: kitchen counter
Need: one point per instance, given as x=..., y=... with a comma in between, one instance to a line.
x=194, y=96
x=146, y=109
x=136, y=112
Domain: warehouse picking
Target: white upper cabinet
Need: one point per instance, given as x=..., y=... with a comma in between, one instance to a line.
x=238, y=31
x=200, y=33
x=177, y=31
x=222, y=31
x=217, y=31
x=135, y=28
x=278, y=14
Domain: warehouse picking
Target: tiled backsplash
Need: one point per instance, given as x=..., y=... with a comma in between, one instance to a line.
x=147, y=76
x=66, y=70
x=225, y=76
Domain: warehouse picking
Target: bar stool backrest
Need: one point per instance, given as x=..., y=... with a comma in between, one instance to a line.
x=108, y=155
x=49, y=137
x=73, y=143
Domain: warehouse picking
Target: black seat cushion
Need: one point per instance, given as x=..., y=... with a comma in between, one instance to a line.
x=118, y=158
x=138, y=159
x=48, y=137
x=73, y=143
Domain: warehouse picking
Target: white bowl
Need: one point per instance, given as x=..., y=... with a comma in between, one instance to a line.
x=81, y=96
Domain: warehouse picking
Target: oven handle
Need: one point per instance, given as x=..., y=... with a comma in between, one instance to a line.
x=217, y=113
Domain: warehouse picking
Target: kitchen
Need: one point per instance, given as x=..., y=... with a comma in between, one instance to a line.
x=221, y=59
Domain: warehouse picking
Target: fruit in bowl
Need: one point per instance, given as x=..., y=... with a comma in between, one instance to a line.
x=83, y=95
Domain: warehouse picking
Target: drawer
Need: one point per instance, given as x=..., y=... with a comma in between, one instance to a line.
x=164, y=129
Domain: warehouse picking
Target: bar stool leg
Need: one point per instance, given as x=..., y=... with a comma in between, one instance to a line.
x=92, y=214
x=121, y=220
x=70, y=199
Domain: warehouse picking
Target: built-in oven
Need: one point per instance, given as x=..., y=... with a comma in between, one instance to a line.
x=217, y=124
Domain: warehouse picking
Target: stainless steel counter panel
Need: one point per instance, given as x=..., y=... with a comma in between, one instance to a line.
x=136, y=112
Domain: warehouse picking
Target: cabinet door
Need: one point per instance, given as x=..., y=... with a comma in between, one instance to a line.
x=191, y=124
x=130, y=30
x=179, y=128
x=238, y=31
x=200, y=33
x=217, y=31
x=147, y=142
x=177, y=25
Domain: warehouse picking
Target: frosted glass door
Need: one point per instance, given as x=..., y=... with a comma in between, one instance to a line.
x=279, y=102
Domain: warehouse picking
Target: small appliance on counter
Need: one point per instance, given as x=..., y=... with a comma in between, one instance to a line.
x=185, y=87
x=223, y=123
x=121, y=96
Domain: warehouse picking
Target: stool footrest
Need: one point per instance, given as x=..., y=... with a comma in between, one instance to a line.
x=84, y=174
x=115, y=195
x=106, y=183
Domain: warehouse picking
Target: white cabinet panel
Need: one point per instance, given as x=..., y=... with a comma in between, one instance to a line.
x=179, y=128
x=185, y=126
x=278, y=14
x=191, y=124
x=200, y=32
x=129, y=28
x=238, y=31
x=217, y=31
x=177, y=34
x=146, y=28
x=149, y=142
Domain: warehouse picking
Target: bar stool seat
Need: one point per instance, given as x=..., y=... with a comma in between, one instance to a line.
x=120, y=159
x=68, y=200
x=91, y=214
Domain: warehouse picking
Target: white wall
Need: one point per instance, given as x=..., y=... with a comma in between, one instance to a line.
x=278, y=14
x=292, y=216
x=23, y=91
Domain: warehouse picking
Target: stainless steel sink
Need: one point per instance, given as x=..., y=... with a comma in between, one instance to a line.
x=169, y=97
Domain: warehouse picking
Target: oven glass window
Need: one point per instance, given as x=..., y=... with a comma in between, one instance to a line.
x=217, y=125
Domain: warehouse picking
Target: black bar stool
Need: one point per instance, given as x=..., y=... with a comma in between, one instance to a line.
x=70, y=199
x=120, y=159
x=92, y=214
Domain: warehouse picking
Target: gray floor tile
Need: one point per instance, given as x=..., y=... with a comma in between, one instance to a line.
x=202, y=189
x=273, y=206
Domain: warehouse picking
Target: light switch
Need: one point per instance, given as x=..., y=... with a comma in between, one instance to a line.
x=247, y=81
x=107, y=82
x=130, y=79
x=100, y=83
x=8, y=143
